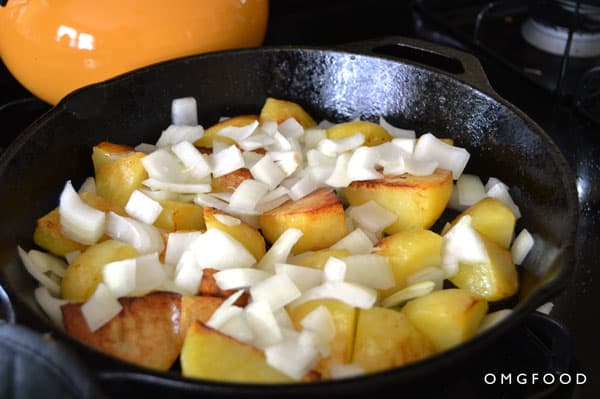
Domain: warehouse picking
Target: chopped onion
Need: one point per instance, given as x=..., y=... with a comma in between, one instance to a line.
x=223, y=314
x=178, y=243
x=210, y=201
x=430, y=148
x=357, y=242
x=268, y=127
x=273, y=199
x=325, y=124
x=369, y=270
x=361, y=165
x=432, y=273
x=546, y=308
x=283, y=319
x=46, y=262
x=142, y=207
x=492, y=181
x=453, y=202
x=267, y=172
x=238, y=133
x=419, y=168
x=238, y=328
x=71, y=256
x=222, y=196
x=218, y=250
x=177, y=133
x=492, y=319
x=500, y=192
x=184, y=111
x=277, y=290
x=406, y=294
x=291, y=128
x=406, y=144
x=150, y=274
x=396, y=131
x=288, y=161
x=312, y=339
x=372, y=217
x=236, y=278
x=227, y=220
x=251, y=158
x=462, y=244
x=339, y=177
x=227, y=161
x=100, y=308
x=313, y=136
x=188, y=274
x=192, y=159
x=303, y=277
x=247, y=194
x=119, y=276
x=79, y=221
x=146, y=148
x=280, y=250
x=303, y=187
x=88, y=185
x=50, y=305
x=163, y=166
x=281, y=143
x=292, y=358
x=352, y=294
x=321, y=322
x=143, y=237
x=331, y=147
x=182, y=188
x=470, y=190
x=219, y=145
x=38, y=274
x=339, y=371
x=160, y=195
x=256, y=141
x=521, y=246
x=263, y=323
x=334, y=270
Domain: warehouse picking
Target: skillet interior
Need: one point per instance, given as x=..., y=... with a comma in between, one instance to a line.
x=333, y=85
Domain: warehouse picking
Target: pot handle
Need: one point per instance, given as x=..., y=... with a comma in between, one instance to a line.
x=459, y=64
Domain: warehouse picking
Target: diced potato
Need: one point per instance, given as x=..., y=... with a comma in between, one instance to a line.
x=493, y=281
x=408, y=252
x=492, y=218
x=344, y=319
x=209, y=287
x=318, y=259
x=229, y=182
x=447, y=317
x=106, y=152
x=177, y=215
x=116, y=180
x=102, y=204
x=146, y=332
x=385, y=338
x=417, y=200
x=210, y=134
x=212, y=355
x=198, y=308
x=85, y=272
x=374, y=134
x=281, y=110
x=247, y=235
x=319, y=215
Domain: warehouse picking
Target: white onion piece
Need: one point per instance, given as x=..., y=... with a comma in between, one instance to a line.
x=222, y=196
x=395, y=168
x=521, y=246
x=281, y=143
x=50, y=305
x=372, y=216
x=143, y=237
x=361, y=165
x=210, y=201
x=352, y=294
x=119, y=276
x=430, y=148
x=406, y=294
x=251, y=158
x=160, y=195
x=303, y=277
x=36, y=273
x=222, y=315
x=325, y=124
x=334, y=270
x=178, y=243
x=303, y=187
x=291, y=128
x=163, y=166
x=280, y=250
x=288, y=161
x=88, y=185
x=312, y=339
x=340, y=371
x=238, y=133
x=283, y=319
x=546, y=308
x=492, y=181
x=256, y=141
x=79, y=221
x=470, y=189
x=268, y=127
x=500, y=192
x=369, y=270
x=395, y=131
x=277, y=290
x=292, y=358
x=462, y=244
x=227, y=161
x=432, y=273
x=313, y=136
x=405, y=144
x=100, y=308
x=150, y=273
x=247, y=194
x=263, y=323
x=238, y=328
x=71, y=256
x=146, y=148
x=196, y=163
x=264, y=206
x=273, y=195
x=181, y=188
x=492, y=319
x=177, y=133
x=219, y=145
x=188, y=274
x=232, y=279
x=331, y=147
x=321, y=322
x=218, y=250
x=339, y=177
x=184, y=111
x=419, y=168
x=267, y=172
x=46, y=262
x=357, y=242
x=142, y=207
x=227, y=220
x=453, y=202
x=388, y=153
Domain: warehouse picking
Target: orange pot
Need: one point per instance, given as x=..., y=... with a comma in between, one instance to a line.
x=55, y=46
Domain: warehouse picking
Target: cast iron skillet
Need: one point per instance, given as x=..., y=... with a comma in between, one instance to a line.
x=452, y=98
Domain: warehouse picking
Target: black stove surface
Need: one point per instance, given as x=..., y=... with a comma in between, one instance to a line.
x=528, y=350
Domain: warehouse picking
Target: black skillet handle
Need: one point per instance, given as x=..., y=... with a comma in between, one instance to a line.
x=463, y=66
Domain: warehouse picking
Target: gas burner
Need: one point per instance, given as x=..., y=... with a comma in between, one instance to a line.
x=553, y=39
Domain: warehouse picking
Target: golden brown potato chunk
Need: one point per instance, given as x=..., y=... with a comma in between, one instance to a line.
x=281, y=110
x=106, y=152
x=319, y=215
x=374, y=134
x=229, y=182
x=146, y=332
x=417, y=200
x=198, y=308
x=177, y=215
x=116, y=180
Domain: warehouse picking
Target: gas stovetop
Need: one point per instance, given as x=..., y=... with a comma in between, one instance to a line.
x=539, y=346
